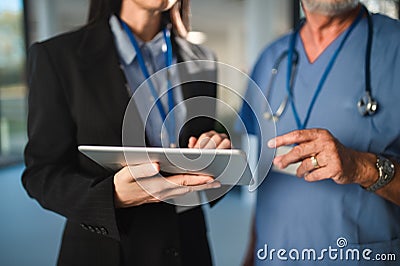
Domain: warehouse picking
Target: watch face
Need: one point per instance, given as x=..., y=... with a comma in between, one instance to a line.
x=388, y=168
x=386, y=173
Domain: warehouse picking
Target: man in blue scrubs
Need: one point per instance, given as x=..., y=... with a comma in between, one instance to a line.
x=341, y=204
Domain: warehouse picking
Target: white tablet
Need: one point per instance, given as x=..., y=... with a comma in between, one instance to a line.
x=228, y=166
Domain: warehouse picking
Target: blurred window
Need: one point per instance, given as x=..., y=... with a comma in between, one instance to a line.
x=388, y=7
x=12, y=82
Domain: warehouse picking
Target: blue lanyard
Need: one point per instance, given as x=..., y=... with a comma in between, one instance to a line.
x=168, y=60
x=323, y=78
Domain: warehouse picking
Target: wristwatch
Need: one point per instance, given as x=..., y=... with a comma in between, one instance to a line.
x=386, y=173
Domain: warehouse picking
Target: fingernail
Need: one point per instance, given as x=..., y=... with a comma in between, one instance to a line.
x=156, y=167
x=211, y=180
x=215, y=184
x=271, y=143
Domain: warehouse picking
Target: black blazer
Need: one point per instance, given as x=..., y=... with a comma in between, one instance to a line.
x=78, y=96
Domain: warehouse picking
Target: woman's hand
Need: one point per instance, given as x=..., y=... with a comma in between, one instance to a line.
x=322, y=157
x=210, y=140
x=141, y=184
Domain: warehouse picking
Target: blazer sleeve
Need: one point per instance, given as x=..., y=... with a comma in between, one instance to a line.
x=53, y=175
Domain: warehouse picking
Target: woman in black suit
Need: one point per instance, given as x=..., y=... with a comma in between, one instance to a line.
x=78, y=95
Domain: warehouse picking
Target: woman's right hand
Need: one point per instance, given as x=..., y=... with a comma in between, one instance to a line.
x=141, y=184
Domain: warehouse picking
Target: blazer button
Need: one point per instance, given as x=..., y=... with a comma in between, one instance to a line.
x=103, y=231
x=91, y=228
x=97, y=229
x=84, y=226
x=175, y=253
x=172, y=252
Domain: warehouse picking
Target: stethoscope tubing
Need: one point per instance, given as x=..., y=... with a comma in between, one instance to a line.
x=366, y=105
x=157, y=98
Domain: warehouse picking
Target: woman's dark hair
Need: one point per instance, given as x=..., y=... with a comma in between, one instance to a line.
x=102, y=9
x=178, y=15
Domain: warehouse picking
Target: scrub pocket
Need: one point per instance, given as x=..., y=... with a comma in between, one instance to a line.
x=385, y=253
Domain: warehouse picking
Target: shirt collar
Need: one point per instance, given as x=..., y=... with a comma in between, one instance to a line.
x=124, y=46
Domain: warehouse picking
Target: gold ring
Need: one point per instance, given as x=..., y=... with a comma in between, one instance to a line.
x=314, y=162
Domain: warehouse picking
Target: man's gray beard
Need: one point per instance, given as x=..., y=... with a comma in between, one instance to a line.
x=332, y=8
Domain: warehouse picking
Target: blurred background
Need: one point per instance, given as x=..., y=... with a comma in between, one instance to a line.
x=236, y=30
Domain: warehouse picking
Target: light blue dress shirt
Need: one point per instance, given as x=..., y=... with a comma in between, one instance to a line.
x=298, y=216
x=154, y=57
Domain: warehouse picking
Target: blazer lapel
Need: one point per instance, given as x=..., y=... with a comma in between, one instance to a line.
x=106, y=80
x=200, y=66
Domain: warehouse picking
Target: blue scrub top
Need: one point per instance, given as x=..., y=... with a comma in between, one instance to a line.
x=298, y=216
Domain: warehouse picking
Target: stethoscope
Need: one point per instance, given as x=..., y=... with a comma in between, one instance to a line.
x=367, y=105
x=168, y=59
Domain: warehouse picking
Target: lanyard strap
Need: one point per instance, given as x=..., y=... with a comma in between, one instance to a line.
x=324, y=75
x=171, y=102
x=146, y=74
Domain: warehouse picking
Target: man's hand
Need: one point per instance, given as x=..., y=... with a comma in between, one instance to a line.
x=322, y=157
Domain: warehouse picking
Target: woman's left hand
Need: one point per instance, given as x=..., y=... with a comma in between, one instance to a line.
x=210, y=140
x=321, y=156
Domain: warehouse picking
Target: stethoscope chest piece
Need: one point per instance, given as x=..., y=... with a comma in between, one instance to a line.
x=367, y=105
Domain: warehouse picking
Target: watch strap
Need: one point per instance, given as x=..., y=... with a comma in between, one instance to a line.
x=386, y=171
